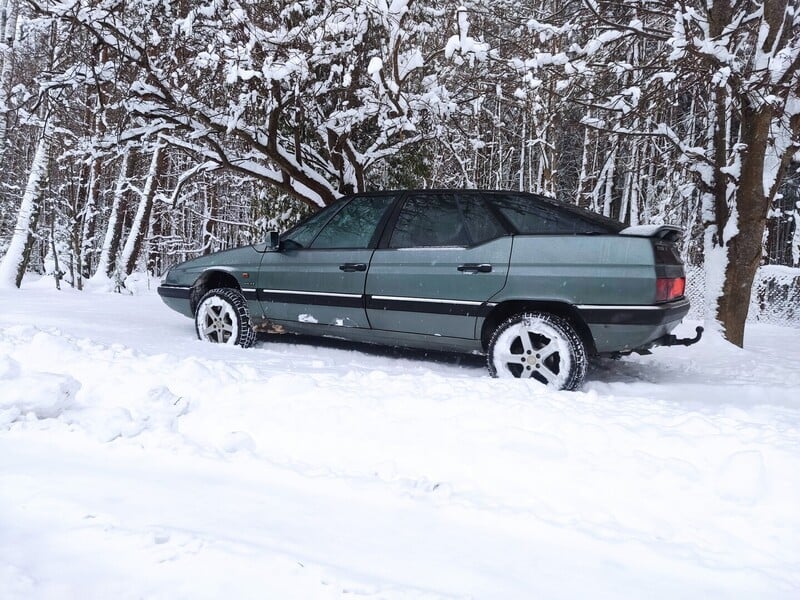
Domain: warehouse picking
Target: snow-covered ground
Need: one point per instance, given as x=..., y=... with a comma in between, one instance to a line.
x=138, y=462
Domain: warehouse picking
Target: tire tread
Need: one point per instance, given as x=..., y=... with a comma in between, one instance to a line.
x=247, y=336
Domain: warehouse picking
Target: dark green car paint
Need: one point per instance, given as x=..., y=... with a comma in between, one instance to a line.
x=442, y=297
x=422, y=290
x=310, y=286
x=232, y=263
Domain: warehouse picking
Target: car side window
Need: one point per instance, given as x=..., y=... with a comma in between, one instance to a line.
x=354, y=225
x=482, y=225
x=429, y=220
x=531, y=216
x=304, y=233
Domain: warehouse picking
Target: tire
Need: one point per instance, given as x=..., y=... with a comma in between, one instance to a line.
x=538, y=346
x=222, y=317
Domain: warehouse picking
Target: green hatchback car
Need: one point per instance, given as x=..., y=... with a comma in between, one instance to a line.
x=535, y=284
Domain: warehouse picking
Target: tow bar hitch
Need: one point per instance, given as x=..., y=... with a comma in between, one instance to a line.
x=672, y=340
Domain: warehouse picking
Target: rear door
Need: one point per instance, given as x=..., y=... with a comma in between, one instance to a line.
x=437, y=266
x=318, y=278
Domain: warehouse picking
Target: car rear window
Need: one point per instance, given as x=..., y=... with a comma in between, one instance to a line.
x=530, y=214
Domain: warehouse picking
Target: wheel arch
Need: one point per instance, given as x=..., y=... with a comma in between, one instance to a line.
x=209, y=280
x=507, y=308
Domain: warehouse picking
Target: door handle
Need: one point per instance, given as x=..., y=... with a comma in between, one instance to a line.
x=475, y=268
x=352, y=267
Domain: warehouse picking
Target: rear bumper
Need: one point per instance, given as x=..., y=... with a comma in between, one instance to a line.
x=656, y=314
x=177, y=298
x=623, y=328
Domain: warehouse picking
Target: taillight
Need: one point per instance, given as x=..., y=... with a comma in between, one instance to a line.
x=669, y=288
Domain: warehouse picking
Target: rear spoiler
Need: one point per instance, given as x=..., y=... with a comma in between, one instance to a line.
x=670, y=233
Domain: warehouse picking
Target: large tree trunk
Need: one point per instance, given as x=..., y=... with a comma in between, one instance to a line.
x=755, y=159
x=15, y=261
x=750, y=214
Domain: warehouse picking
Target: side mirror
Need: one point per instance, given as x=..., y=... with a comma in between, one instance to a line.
x=273, y=241
x=271, y=244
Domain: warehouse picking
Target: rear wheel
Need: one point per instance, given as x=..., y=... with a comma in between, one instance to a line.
x=222, y=317
x=538, y=346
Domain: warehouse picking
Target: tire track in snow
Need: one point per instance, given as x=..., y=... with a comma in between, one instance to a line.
x=482, y=445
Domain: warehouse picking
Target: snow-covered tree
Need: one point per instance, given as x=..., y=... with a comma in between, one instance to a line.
x=644, y=110
x=720, y=83
x=8, y=35
x=15, y=260
x=307, y=96
x=141, y=220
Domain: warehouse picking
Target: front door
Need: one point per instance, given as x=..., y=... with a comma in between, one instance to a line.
x=318, y=275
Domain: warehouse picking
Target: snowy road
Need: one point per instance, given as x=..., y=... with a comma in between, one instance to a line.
x=138, y=462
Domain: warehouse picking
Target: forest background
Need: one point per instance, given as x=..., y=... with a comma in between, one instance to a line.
x=135, y=134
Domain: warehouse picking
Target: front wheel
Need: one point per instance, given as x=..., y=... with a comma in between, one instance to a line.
x=538, y=346
x=222, y=317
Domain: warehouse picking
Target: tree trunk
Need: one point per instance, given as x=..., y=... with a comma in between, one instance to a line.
x=88, y=219
x=209, y=220
x=141, y=222
x=107, y=262
x=745, y=247
x=584, y=184
x=8, y=30
x=15, y=261
x=767, y=139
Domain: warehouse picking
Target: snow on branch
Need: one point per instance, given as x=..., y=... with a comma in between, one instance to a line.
x=466, y=46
